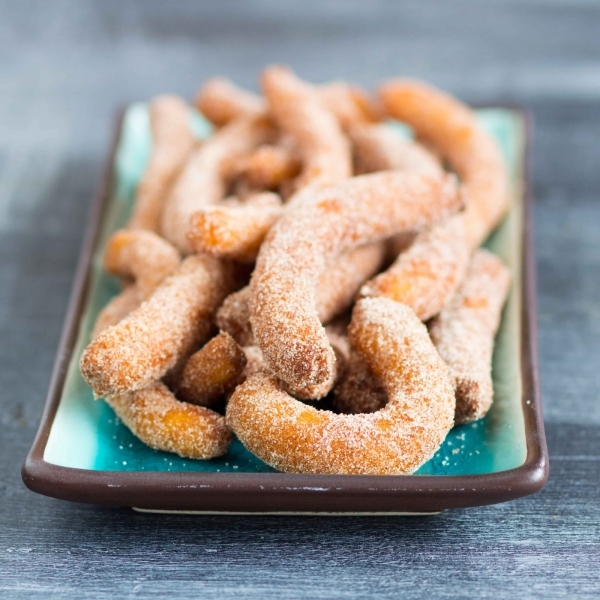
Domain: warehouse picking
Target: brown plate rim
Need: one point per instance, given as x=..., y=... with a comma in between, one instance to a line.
x=284, y=492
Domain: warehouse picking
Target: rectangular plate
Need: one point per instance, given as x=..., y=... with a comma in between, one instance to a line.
x=83, y=453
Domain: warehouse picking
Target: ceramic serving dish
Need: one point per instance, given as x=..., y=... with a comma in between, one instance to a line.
x=83, y=453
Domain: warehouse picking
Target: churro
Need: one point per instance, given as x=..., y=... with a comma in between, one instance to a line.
x=294, y=437
x=172, y=141
x=117, y=309
x=235, y=232
x=426, y=275
x=298, y=248
x=212, y=372
x=464, y=334
x=297, y=110
x=203, y=179
x=142, y=256
x=268, y=166
x=451, y=128
x=154, y=337
x=378, y=147
x=162, y=422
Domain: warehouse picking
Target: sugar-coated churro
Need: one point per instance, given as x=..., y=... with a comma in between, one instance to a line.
x=212, y=371
x=296, y=108
x=464, y=334
x=162, y=422
x=395, y=440
x=451, y=128
x=142, y=256
x=172, y=141
x=235, y=232
x=360, y=210
x=175, y=319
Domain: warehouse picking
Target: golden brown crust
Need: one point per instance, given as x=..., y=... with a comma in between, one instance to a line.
x=172, y=142
x=464, y=333
x=162, y=422
x=295, y=437
x=171, y=323
x=212, y=371
x=360, y=210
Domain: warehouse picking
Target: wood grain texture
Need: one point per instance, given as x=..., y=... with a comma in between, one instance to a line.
x=65, y=66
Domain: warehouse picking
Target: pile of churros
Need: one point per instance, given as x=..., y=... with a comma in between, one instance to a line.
x=306, y=278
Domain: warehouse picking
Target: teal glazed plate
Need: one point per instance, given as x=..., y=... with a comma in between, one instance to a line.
x=83, y=453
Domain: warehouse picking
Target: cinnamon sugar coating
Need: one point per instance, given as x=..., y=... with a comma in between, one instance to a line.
x=296, y=108
x=172, y=141
x=235, y=232
x=203, y=179
x=306, y=239
x=464, y=333
x=451, y=128
x=426, y=275
x=162, y=422
x=295, y=437
x=212, y=371
x=154, y=337
x=141, y=255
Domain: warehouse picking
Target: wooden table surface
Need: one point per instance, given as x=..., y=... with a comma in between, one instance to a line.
x=66, y=66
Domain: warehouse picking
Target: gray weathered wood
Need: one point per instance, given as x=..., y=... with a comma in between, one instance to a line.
x=65, y=66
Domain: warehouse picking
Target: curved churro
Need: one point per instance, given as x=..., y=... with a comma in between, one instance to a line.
x=451, y=128
x=162, y=422
x=202, y=181
x=172, y=141
x=212, y=371
x=155, y=336
x=297, y=249
x=141, y=255
x=221, y=102
x=335, y=291
x=426, y=275
x=464, y=334
x=395, y=440
x=235, y=232
x=296, y=108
